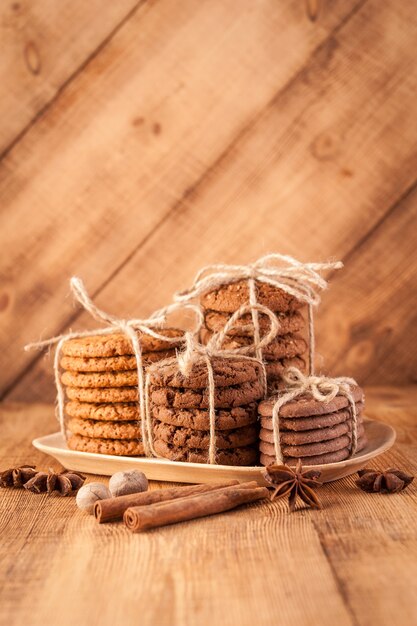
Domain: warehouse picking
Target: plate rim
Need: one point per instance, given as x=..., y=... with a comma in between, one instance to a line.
x=40, y=444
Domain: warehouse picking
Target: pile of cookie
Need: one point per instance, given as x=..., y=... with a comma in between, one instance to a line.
x=286, y=350
x=100, y=378
x=101, y=386
x=179, y=407
x=315, y=432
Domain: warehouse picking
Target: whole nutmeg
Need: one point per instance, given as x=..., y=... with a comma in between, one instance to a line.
x=88, y=495
x=123, y=483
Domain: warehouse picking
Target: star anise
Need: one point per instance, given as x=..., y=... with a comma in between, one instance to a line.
x=391, y=480
x=291, y=482
x=65, y=483
x=17, y=476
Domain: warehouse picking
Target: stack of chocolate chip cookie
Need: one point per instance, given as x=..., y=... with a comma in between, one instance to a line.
x=180, y=417
x=101, y=385
x=315, y=432
x=285, y=350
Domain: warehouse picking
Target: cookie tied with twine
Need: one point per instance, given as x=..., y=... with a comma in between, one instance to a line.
x=300, y=280
x=195, y=353
x=130, y=328
x=320, y=388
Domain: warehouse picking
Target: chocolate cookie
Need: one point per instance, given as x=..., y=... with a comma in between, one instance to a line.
x=200, y=439
x=244, y=456
x=311, y=449
x=226, y=372
x=104, y=430
x=116, y=411
x=291, y=322
x=228, y=298
x=111, y=363
x=118, y=344
x=306, y=406
x=285, y=346
x=199, y=419
x=105, y=394
x=315, y=422
x=320, y=459
x=275, y=369
x=116, y=447
x=297, y=438
x=224, y=397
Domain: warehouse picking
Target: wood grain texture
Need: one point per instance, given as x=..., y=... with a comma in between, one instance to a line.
x=378, y=339
x=198, y=135
x=344, y=564
x=128, y=138
x=44, y=44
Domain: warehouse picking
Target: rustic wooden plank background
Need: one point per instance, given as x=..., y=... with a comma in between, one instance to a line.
x=142, y=139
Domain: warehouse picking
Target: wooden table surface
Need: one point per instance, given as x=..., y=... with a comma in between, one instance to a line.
x=354, y=562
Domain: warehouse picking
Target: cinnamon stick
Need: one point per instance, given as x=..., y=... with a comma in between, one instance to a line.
x=140, y=518
x=112, y=509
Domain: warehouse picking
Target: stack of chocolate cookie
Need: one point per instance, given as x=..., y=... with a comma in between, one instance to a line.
x=287, y=349
x=315, y=432
x=179, y=408
x=101, y=385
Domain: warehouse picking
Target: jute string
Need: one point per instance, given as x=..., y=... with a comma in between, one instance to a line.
x=320, y=388
x=130, y=328
x=300, y=280
x=196, y=353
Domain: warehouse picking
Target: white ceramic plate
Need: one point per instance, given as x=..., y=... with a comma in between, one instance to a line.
x=380, y=438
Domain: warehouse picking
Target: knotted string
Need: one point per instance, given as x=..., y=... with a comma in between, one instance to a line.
x=320, y=388
x=300, y=280
x=195, y=352
x=130, y=328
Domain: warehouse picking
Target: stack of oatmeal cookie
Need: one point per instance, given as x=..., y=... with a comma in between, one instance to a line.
x=287, y=349
x=101, y=386
x=179, y=408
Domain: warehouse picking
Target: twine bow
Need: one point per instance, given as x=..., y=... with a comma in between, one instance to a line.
x=320, y=388
x=300, y=280
x=129, y=327
x=195, y=352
